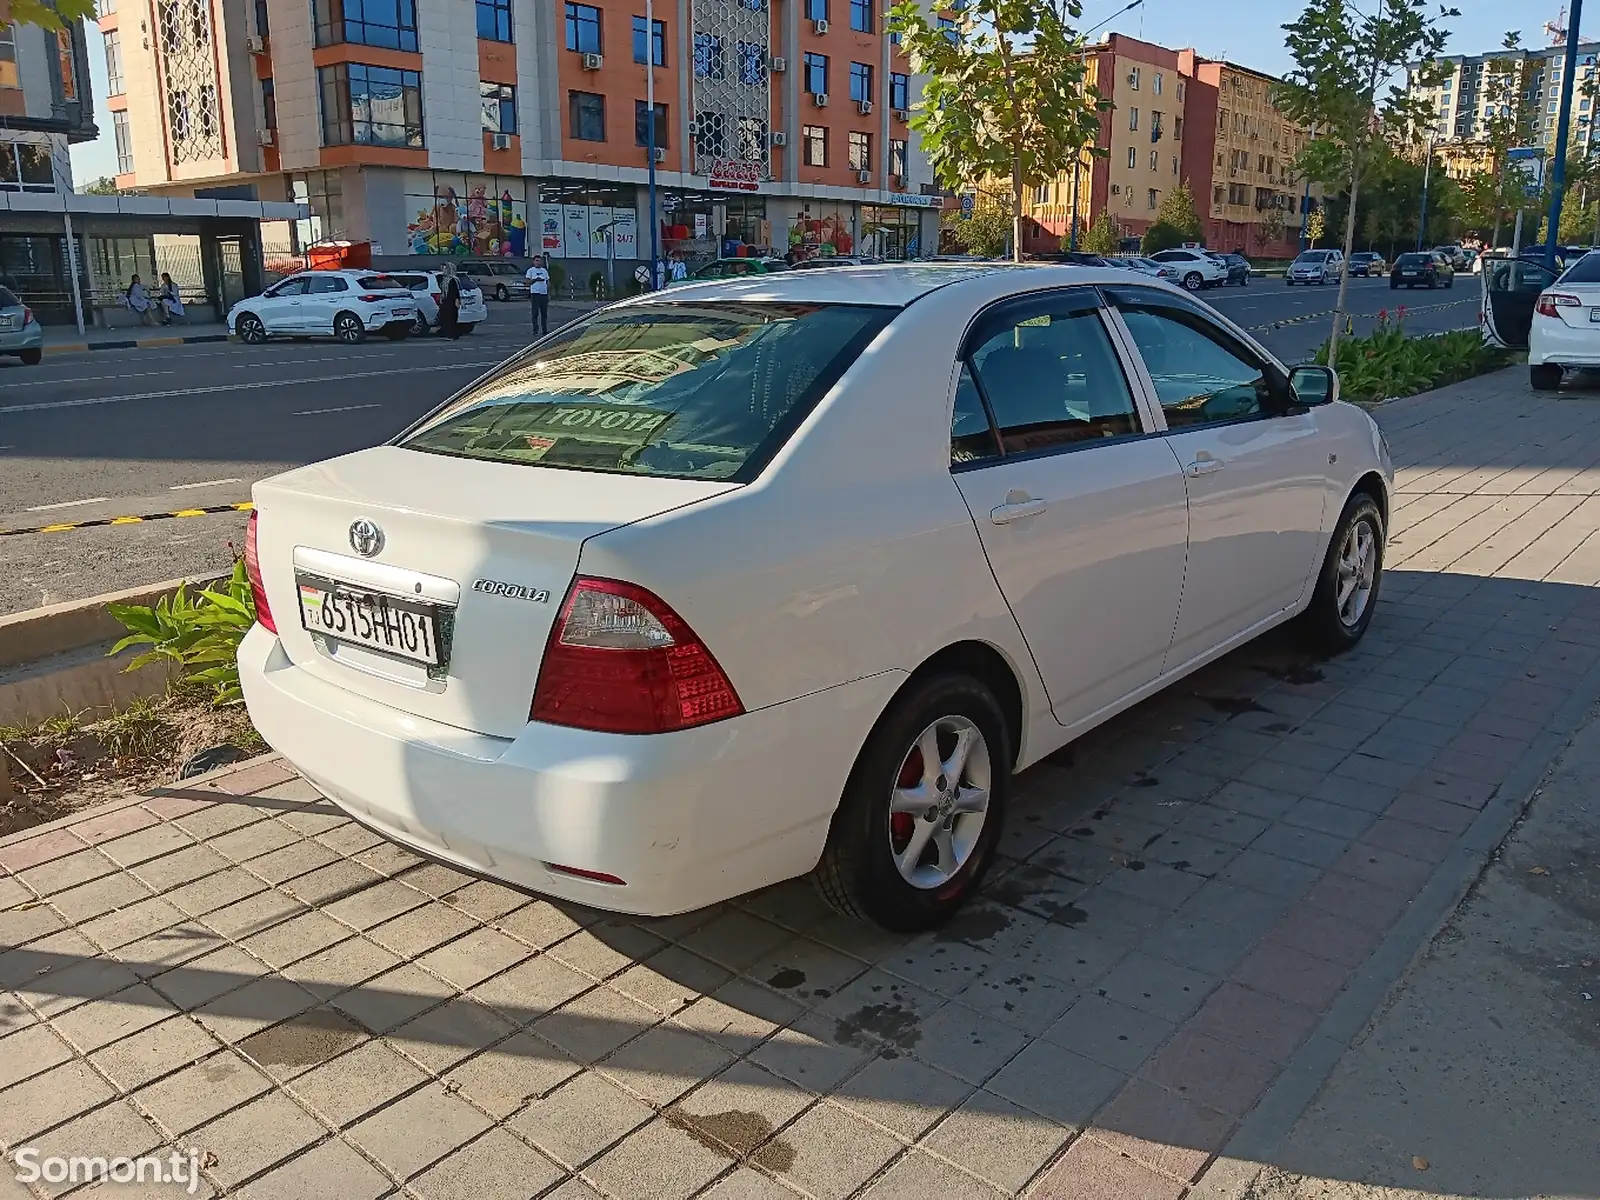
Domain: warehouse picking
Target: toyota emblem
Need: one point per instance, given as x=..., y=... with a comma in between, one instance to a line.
x=366, y=539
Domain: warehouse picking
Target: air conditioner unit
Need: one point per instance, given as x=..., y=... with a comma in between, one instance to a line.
x=593, y=62
x=1116, y=189
x=255, y=44
x=820, y=99
x=268, y=137
x=500, y=141
x=780, y=138
x=819, y=27
x=777, y=64
x=863, y=176
x=902, y=115
x=661, y=154
x=864, y=107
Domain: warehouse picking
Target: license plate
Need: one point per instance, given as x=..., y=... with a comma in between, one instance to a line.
x=7, y=322
x=1408, y=272
x=405, y=628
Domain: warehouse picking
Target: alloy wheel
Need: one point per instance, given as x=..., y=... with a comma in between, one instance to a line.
x=940, y=802
x=251, y=331
x=348, y=329
x=1358, y=572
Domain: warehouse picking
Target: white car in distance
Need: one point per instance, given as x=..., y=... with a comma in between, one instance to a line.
x=1196, y=269
x=427, y=289
x=345, y=305
x=741, y=581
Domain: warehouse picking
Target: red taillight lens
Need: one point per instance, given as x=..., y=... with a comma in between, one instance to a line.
x=27, y=315
x=437, y=297
x=1550, y=301
x=619, y=660
x=252, y=569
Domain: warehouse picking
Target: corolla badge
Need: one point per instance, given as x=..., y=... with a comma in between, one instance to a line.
x=366, y=539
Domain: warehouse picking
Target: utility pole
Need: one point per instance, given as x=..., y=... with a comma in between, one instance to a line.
x=1072, y=236
x=1568, y=73
x=650, y=136
x=1427, y=169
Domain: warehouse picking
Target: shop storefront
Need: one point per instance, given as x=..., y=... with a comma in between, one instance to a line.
x=821, y=228
x=595, y=221
x=699, y=226
x=479, y=216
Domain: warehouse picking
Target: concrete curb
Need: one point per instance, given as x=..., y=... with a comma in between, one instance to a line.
x=1259, y=1139
x=135, y=343
x=27, y=637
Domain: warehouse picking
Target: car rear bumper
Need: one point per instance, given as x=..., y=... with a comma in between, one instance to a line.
x=389, y=320
x=16, y=341
x=1552, y=340
x=685, y=819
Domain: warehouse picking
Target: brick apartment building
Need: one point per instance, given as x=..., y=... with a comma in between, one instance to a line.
x=509, y=126
x=1178, y=117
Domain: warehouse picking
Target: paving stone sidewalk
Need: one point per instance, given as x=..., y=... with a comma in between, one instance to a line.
x=1194, y=904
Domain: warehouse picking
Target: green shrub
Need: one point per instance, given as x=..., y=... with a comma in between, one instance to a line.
x=1386, y=364
x=558, y=279
x=200, y=633
x=1161, y=236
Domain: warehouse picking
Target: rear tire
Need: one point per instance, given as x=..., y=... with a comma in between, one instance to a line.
x=31, y=358
x=398, y=335
x=861, y=873
x=1347, y=589
x=420, y=327
x=1545, y=377
x=466, y=327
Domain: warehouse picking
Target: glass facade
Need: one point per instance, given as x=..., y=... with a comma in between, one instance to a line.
x=370, y=106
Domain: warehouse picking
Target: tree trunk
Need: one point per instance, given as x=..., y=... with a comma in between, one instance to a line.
x=1344, y=276
x=1016, y=209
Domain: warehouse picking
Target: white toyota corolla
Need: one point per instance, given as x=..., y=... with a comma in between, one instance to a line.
x=788, y=574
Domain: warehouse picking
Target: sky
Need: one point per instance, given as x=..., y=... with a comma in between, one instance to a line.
x=1245, y=31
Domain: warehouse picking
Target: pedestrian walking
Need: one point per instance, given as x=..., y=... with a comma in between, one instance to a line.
x=449, y=302
x=538, y=277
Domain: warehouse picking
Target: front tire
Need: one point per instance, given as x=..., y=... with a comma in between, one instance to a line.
x=250, y=329
x=347, y=328
x=1545, y=377
x=922, y=811
x=1347, y=590
x=502, y=294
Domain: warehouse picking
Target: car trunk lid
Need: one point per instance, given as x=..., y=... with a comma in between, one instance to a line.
x=488, y=549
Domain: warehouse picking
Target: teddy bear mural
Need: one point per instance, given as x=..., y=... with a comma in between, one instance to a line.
x=482, y=225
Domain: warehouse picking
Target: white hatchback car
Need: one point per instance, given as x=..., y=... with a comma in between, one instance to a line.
x=344, y=304
x=427, y=289
x=735, y=582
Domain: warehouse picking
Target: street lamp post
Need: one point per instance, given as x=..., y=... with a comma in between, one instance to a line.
x=1558, y=183
x=650, y=133
x=1427, y=169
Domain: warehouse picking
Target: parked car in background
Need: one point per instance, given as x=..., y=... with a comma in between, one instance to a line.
x=501, y=278
x=427, y=288
x=1455, y=255
x=731, y=268
x=344, y=304
x=1171, y=272
x=1197, y=268
x=1422, y=268
x=648, y=639
x=1237, y=265
x=1367, y=262
x=1565, y=330
x=20, y=334
x=1315, y=266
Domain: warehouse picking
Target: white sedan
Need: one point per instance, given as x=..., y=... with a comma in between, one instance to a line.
x=1566, y=318
x=757, y=578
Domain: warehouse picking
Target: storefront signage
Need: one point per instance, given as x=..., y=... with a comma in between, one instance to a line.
x=624, y=233
x=735, y=175
x=917, y=200
x=575, y=226
x=552, y=239
x=599, y=231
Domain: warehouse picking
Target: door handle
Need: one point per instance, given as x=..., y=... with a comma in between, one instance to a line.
x=1018, y=510
x=1205, y=466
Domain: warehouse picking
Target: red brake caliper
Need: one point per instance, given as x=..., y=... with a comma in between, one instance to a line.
x=901, y=824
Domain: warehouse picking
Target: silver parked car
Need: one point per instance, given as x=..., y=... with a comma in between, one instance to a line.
x=20, y=335
x=502, y=279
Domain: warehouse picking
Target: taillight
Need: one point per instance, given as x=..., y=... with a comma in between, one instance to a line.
x=1550, y=301
x=27, y=315
x=437, y=297
x=252, y=570
x=619, y=660
x=374, y=297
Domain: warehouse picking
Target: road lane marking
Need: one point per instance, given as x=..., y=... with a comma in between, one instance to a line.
x=66, y=504
x=89, y=379
x=317, y=412
x=63, y=527
x=182, y=487
x=88, y=402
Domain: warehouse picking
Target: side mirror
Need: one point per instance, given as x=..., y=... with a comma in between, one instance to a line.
x=1315, y=385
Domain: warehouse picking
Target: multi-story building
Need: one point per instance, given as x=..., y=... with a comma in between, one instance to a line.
x=45, y=104
x=1179, y=118
x=510, y=126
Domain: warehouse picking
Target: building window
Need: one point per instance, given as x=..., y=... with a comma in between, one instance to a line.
x=391, y=24
x=69, y=66
x=26, y=167
x=952, y=33
x=641, y=124
x=1177, y=129
x=814, y=145
x=708, y=60
x=657, y=37
x=817, y=74
x=752, y=132
x=1174, y=164
x=323, y=193
x=178, y=115
x=1133, y=119
x=583, y=28
x=1133, y=157
x=899, y=91
x=860, y=150
x=124, y=140
x=499, y=107
x=816, y=10
x=104, y=8
x=364, y=105
x=897, y=158
x=494, y=20
x=860, y=82
x=114, y=84
x=8, y=57
x=1155, y=160
x=1155, y=83
x=1133, y=79
x=263, y=20
x=752, y=63
x=269, y=104
x=1154, y=198
x=710, y=135
x=861, y=15
x=587, y=113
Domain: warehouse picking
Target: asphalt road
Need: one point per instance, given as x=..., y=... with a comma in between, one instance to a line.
x=138, y=432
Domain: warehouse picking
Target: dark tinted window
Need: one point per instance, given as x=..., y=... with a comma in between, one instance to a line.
x=327, y=283
x=379, y=283
x=1585, y=270
x=1201, y=374
x=1051, y=377
x=971, y=435
x=290, y=287
x=700, y=390
x=8, y=299
x=1413, y=260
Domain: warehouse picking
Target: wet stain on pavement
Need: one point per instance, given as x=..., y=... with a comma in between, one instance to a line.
x=892, y=1023
x=735, y=1134
x=788, y=977
x=1234, y=706
x=303, y=1041
x=1069, y=914
x=976, y=923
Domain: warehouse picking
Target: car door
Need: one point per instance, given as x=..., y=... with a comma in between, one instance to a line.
x=326, y=296
x=1079, y=503
x=1254, y=464
x=279, y=306
x=1510, y=290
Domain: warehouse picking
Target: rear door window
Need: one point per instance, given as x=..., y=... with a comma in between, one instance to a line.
x=704, y=390
x=1585, y=270
x=295, y=286
x=327, y=283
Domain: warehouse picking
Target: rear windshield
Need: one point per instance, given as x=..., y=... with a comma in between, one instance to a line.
x=8, y=298
x=1413, y=260
x=1585, y=270
x=692, y=390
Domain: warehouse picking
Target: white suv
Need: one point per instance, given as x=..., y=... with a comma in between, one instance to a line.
x=1316, y=266
x=1196, y=269
x=343, y=304
x=427, y=289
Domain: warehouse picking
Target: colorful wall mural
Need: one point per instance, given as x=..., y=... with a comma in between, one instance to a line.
x=464, y=217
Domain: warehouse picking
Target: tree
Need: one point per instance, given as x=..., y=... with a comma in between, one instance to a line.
x=1007, y=95
x=1510, y=119
x=984, y=232
x=1162, y=236
x=1316, y=226
x=1104, y=236
x=1269, y=230
x=104, y=186
x=1177, y=210
x=1341, y=88
x=51, y=14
